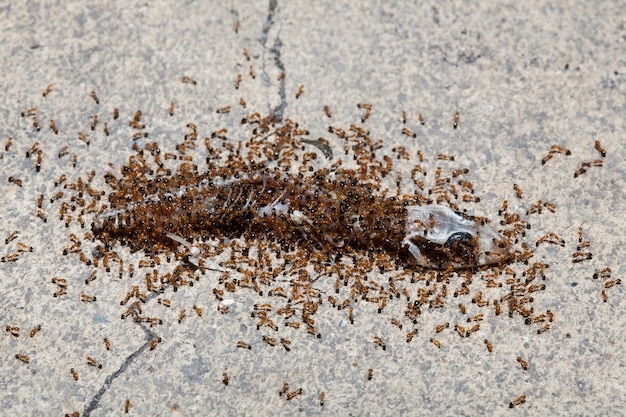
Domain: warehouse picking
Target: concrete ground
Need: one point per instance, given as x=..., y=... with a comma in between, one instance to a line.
x=523, y=77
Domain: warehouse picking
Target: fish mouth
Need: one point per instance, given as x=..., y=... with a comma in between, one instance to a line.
x=494, y=248
x=499, y=254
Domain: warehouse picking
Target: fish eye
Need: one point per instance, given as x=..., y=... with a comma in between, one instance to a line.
x=459, y=238
x=462, y=246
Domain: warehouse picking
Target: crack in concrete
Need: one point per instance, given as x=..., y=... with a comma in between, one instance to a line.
x=279, y=110
x=95, y=401
x=150, y=336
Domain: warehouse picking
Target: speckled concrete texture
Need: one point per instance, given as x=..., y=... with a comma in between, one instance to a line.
x=523, y=77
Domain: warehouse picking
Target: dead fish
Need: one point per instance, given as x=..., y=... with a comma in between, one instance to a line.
x=332, y=212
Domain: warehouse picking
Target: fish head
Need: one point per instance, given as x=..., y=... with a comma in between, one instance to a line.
x=439, y=237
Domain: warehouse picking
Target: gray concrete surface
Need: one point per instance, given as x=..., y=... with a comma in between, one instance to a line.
x=524, y=77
